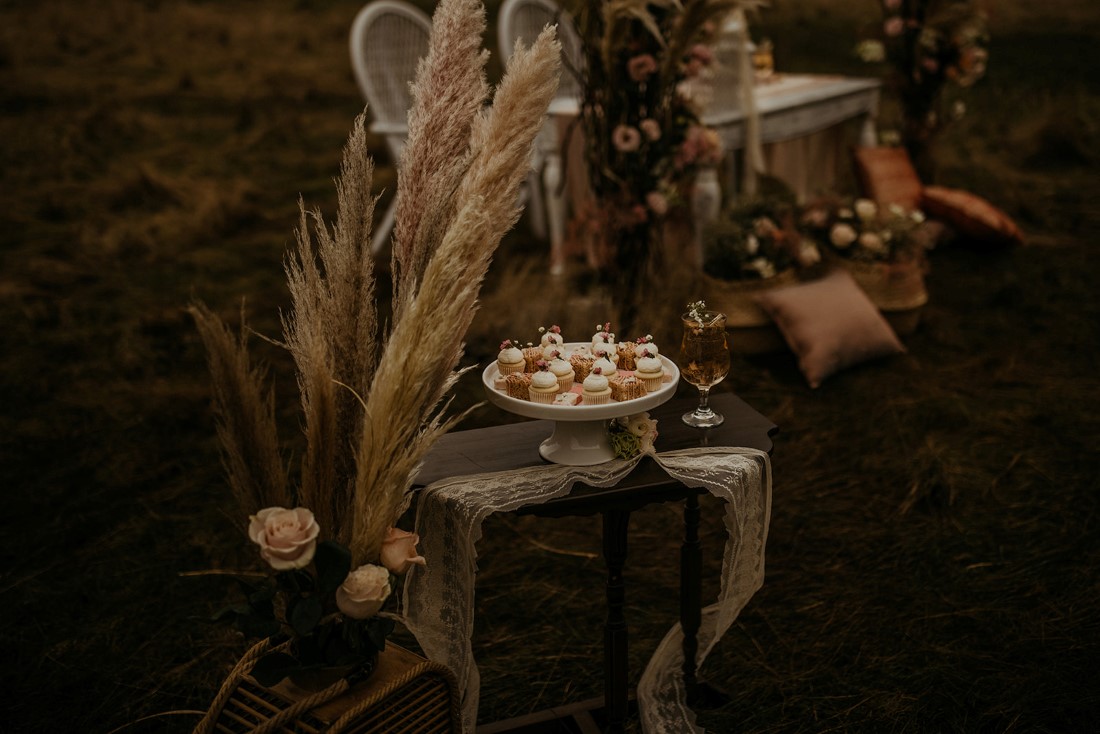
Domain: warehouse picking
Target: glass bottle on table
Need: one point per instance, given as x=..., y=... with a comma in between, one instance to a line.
x=704, y=361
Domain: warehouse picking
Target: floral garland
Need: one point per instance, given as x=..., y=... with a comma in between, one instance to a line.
x=632, y=435
x=862, y=230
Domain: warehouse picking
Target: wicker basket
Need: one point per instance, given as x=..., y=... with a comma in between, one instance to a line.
x=897, y=289
x=750, y=329
x=404, y=693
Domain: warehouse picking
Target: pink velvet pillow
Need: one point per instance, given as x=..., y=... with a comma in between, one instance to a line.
x=887, y=176
x=830, y=324
x=971, y=216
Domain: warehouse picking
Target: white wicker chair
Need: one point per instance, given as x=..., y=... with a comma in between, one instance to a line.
x=524, y=20
x=388, y=39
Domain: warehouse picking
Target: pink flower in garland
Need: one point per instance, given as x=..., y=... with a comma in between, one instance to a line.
x=626, y=139
x=657, y=203
x=893, y=27
x=651, y=129
x=641, y=67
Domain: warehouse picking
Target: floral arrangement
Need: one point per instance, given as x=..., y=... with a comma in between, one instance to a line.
x=861, y=230
x=755, y=240
x=643, y=136
x=632, y=435
x=372, y=398
x=929, y=46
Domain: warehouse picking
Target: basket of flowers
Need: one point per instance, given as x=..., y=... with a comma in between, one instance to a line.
x=747, y=250
x=881, y=249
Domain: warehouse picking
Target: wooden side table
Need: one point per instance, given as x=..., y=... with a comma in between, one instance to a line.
x=515, y=446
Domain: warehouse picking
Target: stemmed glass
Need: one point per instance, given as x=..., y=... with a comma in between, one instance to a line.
x=704, y=360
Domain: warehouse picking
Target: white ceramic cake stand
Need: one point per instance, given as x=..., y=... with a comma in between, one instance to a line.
x=580, y=431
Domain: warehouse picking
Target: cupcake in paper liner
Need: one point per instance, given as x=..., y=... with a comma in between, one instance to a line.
x=597, y=391
x=563, y=371
x=650, y=371
x=510, y=359
x=544, y=384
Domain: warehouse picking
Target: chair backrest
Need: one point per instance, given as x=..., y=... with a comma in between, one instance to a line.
x=388, y=39
x=525, y=19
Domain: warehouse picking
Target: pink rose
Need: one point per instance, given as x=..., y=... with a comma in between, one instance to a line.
x=363, y=591
x=656, y=201
x=287, y=538
x=702, y=53
x=651, y=129
x=641, y=67
x=893, y=27
x=891, y=4
x=399, y=551
x=626, y=138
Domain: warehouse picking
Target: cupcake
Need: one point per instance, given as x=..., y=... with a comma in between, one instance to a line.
x=626, y=387
x=645, y=343
x=605, y=361
x=650, y=371
x=625, y=351
x=603, y=338
x=517, y=385
x=510, y=358
x=544, y=385
x=563, y=371
x=596, y=390
x=550, y=336
x=582, y=364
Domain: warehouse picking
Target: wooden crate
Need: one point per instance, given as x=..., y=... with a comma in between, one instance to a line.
x=405, y=693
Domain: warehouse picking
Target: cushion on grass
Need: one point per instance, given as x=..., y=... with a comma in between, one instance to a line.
x=829, y=324
x=971, y=216
x=887, y=176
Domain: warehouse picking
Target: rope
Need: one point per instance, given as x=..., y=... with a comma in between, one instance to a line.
x=395, y=684
x=291, y=713
x=229, y=685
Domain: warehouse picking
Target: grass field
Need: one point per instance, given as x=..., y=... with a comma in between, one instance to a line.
x=934, y=540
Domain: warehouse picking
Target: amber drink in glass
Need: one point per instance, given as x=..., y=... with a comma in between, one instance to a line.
x=704, y=361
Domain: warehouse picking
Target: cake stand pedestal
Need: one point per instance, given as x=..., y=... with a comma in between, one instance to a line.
x=580, y=431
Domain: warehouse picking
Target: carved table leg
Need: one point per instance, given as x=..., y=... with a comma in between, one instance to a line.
x=691, y=559
x=615, y=524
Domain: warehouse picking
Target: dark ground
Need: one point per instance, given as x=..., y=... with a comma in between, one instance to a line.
x=934, y=540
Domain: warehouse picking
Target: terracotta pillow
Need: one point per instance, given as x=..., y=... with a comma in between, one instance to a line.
x=971, y=216
x=830, y=324
x=887, y=176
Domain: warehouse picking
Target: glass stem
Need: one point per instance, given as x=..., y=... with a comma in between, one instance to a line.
x=704, y=393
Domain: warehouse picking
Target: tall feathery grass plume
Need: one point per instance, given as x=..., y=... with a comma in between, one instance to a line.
x=373, y=403
x=245, y=413
x=332, y=333
x=448, y=93
x=427, y=342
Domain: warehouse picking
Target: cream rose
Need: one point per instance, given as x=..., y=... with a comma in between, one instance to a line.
x=866, y=209
x=842, y=235
x=364, y=591
x=872, y=242
x=287, y=538
x=399, y=551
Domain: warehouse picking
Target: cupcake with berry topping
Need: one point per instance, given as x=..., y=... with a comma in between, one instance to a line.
x=603, y=338
x=550, y=336
x=605, y=360
x=643, y=344
x=562, y=370
x=650, y=371
x=510, y=359
x=596, y=390
x=544, y=384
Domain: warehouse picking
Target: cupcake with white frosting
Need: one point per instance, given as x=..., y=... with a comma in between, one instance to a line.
x=605, y=360
x=650, y=371
x=643, y=344
x=510, y=358
x=544, y=384
x=603, y=338
x=596, y=390
x=562, y=370
x=550, y=336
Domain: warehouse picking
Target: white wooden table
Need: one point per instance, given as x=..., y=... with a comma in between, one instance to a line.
x=789, y=107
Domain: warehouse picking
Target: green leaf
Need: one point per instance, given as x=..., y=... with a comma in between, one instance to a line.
x=273, y=667
x=304, y=614
x=333, y=563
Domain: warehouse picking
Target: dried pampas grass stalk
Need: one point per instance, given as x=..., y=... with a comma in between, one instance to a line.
x=448, y=93
x=370, y=418
x=417, y=368
x=246, y=416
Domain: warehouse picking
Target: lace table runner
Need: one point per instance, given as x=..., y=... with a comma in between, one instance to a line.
x=438, y=598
